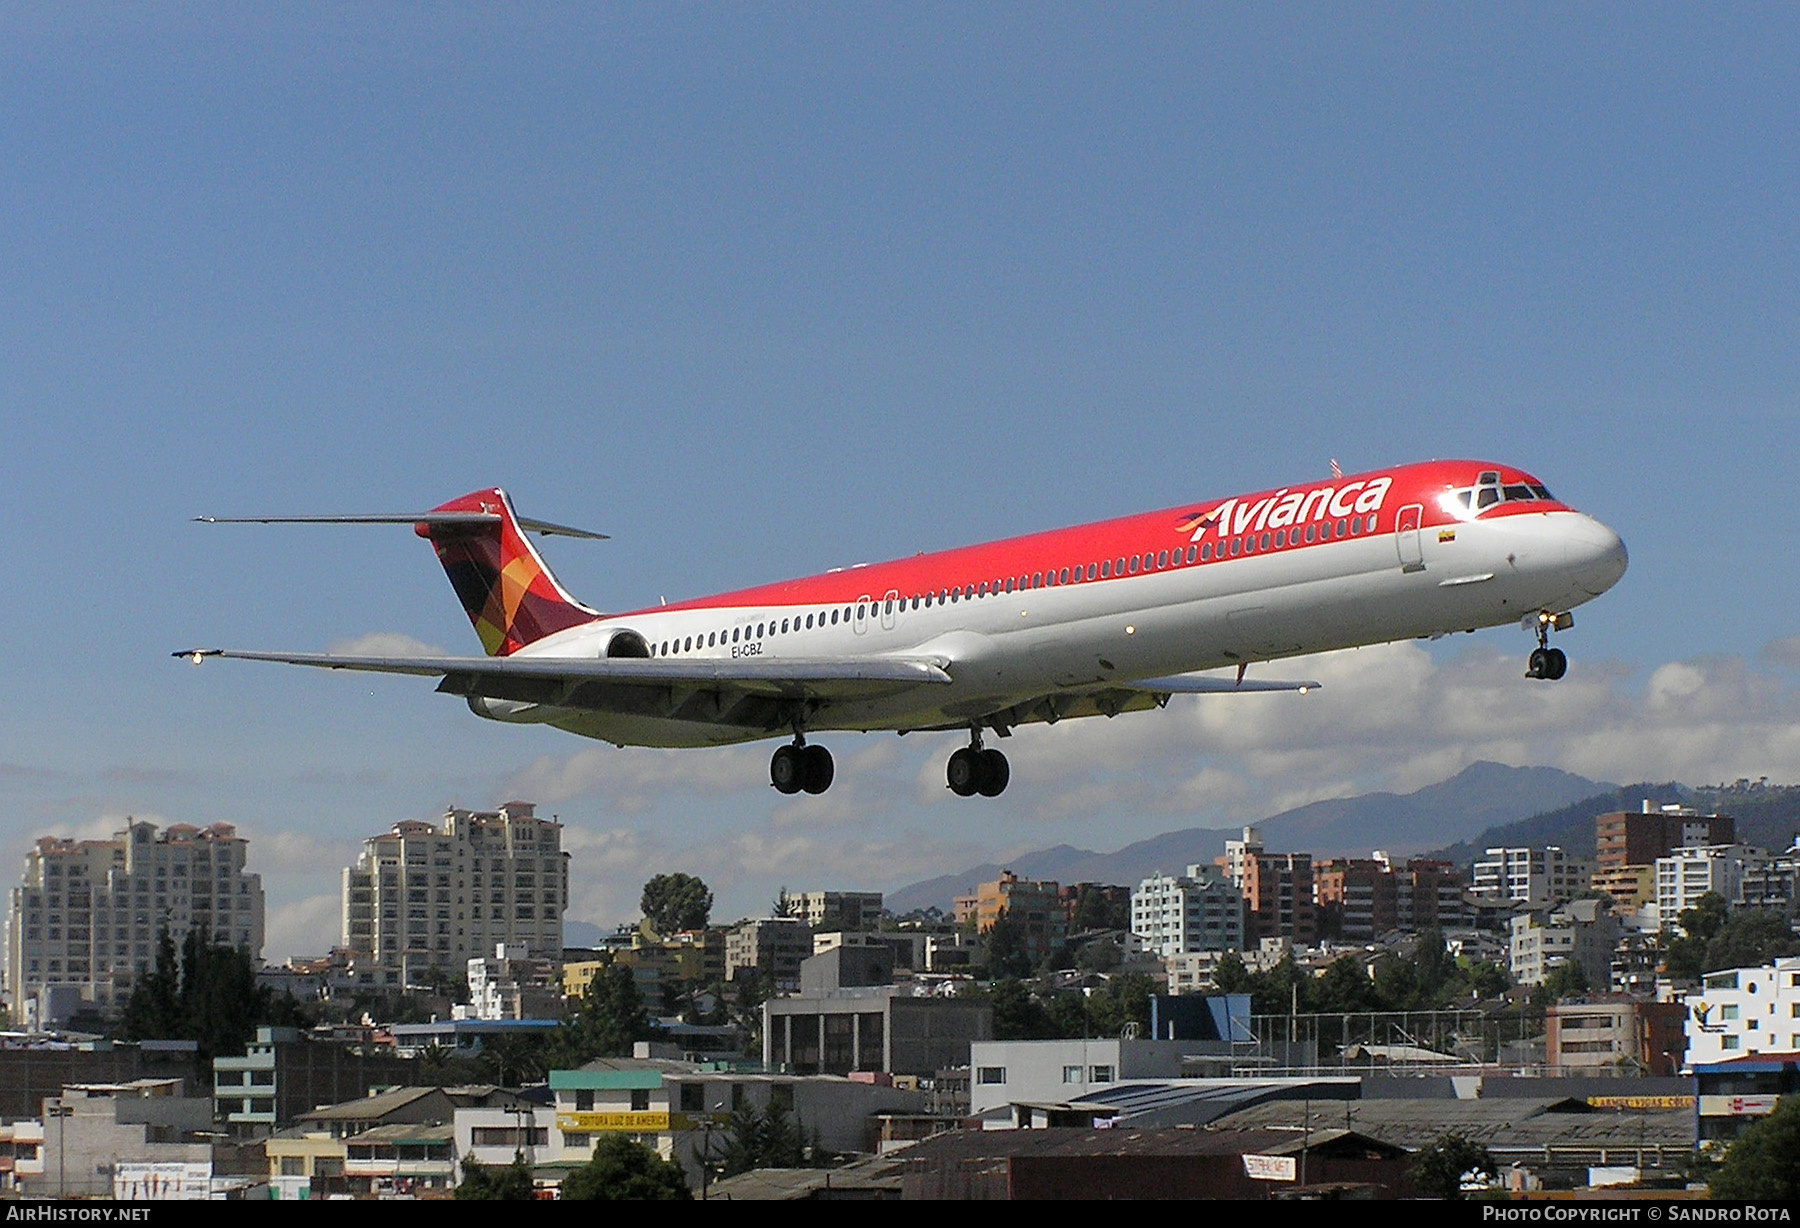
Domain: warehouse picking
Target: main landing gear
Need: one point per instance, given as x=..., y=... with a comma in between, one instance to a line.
x=973, y=770
x=797, y=767
x=1546, y=662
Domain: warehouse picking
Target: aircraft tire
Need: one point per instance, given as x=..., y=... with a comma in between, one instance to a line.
x=787, y=769
x=995, y=772
x=1556, y=663
x=963, y=773
x=1539, y=666
x=816, y=778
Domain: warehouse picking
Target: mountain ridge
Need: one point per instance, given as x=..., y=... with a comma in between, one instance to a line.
x=1481, y=796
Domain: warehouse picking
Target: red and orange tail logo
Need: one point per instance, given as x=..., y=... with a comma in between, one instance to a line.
x=508, y=593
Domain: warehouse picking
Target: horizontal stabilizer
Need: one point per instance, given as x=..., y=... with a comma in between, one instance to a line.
x=448, y=519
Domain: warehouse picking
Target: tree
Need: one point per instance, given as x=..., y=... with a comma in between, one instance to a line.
x=1230, y=975
x=1749, y=939
x=485, y=1183
x=609, y=1019
x=207, y=994
x=768, y=1138
x=1099, y=955
x=675, y=902
x=1345, y=988
x=153, y=1011
x=1764, y=1162
x=1007, y=953
x=1438, y=1170
x=624, y=1171
x=1018, y=1015
x=1097, y=909
x=513, y=1061
x=1564, y=980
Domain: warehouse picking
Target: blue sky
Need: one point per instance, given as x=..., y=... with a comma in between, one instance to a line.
x=764, y=289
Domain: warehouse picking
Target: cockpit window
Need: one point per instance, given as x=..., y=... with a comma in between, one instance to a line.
x=1488, y=492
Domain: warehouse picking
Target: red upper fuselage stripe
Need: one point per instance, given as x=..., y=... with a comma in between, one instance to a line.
x=1422, y=485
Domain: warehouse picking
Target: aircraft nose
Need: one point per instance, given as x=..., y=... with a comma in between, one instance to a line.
x=1595, y=555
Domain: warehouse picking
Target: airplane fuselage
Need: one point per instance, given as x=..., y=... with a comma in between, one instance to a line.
x=1038, y=627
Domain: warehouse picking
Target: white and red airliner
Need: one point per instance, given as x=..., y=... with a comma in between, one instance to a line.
x=1095, y=620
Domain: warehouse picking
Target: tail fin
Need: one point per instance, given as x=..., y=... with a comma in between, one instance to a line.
x=509, y=594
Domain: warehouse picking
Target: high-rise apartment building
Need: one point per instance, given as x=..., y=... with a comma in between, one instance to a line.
x=837, y=910
x=1638, y=838
x=87, y=914
x=1199, y=911
x=1530, y=876
x=1035, y=907
x=1360, y=898
x=1277, y=889
x=434, y=895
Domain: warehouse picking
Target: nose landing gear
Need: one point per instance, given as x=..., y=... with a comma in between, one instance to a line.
x=973, y=770
x=1548, y=663
x=797, y=767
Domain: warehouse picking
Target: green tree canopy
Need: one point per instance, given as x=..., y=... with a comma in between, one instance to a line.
x=1437, y=1171
x=1764, y=1162
x=207, y=994
x=1007, y=953
x=485, y=1183
x=624, y=1171
x=765, y=1138
x=609, y=1018
x=1564, y=980
x=675, y=902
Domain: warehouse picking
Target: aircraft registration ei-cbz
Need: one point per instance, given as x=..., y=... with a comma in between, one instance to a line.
x=1094, y=620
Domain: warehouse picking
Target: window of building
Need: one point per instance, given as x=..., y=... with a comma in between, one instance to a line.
x=1101, y=1074
x=990, y=1075
x=1071, y=1074
x=640, y=1100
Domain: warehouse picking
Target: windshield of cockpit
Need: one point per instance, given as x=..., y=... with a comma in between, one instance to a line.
x=1490, y=491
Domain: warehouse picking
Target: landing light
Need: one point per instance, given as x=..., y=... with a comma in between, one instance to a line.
x=1305, y=689
x=1131, y=631
x=197, y=657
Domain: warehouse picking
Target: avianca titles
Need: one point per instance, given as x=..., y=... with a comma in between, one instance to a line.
x=1099, y=619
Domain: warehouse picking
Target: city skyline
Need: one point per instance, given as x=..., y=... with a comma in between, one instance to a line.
x=764, y=292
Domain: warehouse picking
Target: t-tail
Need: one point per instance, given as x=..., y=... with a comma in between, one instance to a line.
x=505, y=588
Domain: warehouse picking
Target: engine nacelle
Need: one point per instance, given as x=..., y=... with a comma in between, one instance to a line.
x=624, y=642
x=512, y=711
x=614, y=642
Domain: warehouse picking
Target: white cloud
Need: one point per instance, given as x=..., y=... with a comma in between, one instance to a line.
x=633, y=780
x=308, y=926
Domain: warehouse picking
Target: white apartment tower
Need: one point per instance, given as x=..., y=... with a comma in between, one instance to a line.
x=1200, y=911
x=87, y=914
x=431, y=895
x=1530, y=876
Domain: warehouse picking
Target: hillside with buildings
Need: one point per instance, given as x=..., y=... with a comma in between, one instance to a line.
x=1480, y=797
x=1637, y=958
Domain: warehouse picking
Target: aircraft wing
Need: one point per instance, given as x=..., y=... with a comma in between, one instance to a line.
x=599, y=682
x=1212, y=684
x=1113, y=698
